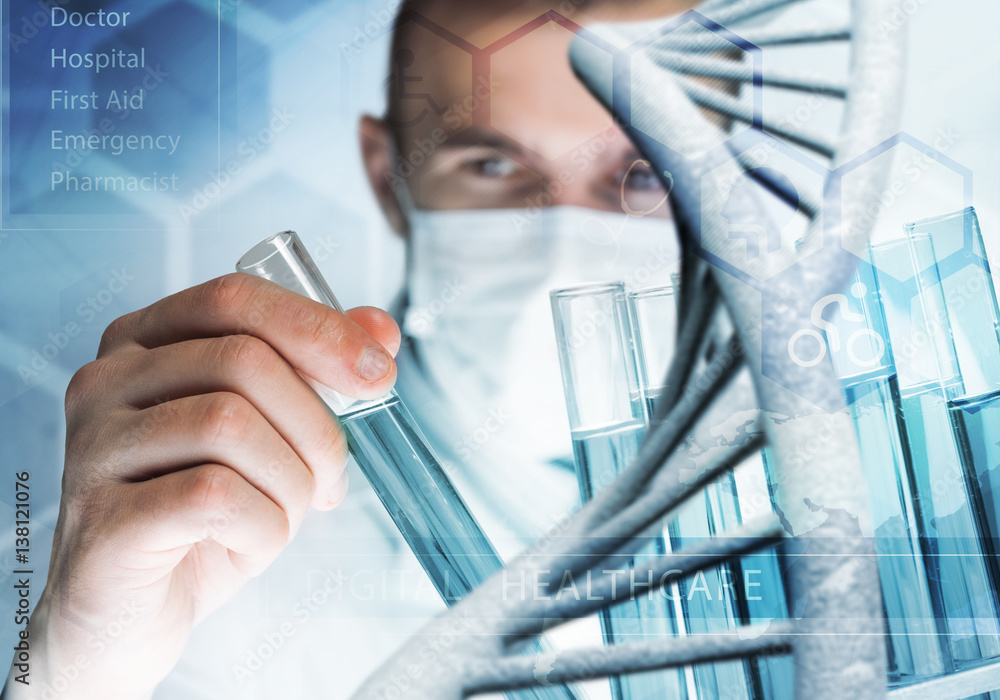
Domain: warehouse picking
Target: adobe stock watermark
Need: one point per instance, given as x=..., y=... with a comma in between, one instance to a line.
x=67, y=672
x=232, y=510
x=420, y=319
x=363, y=35
x=901, y=14
x=248, y=150
x=263, y=648
x=913, y=170
x=87, y=311
x=430, y=653
x=324, y=249
x=595, y=320
x=762, y=152
x=454, y=118
x=472, y=442
x=75, y=157
x=947, y=482
x=27, y=26
x=580, y=161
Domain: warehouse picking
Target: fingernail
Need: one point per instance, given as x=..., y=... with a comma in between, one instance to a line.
x=373, y=364
x=338, y=490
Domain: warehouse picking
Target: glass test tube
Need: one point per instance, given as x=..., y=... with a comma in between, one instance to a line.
x=608, y=426
x=395, y=458
x=920, y=337
x=859, y=345
x=971, y=301
x=722, y=599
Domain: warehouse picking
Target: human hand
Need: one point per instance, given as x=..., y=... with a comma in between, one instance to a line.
x=194, y=450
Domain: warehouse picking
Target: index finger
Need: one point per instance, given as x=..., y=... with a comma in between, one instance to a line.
x=317, y=340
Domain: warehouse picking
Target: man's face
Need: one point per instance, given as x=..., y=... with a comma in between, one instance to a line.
x=514, y=129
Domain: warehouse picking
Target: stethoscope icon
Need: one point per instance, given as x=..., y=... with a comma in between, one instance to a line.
x=858, y=290
x=608, y=235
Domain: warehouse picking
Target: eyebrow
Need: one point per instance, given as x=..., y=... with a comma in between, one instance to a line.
x=632, y=155
x=489, y=138
x=479, y=136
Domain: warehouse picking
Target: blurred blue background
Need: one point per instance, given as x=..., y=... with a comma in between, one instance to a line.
x=295, y=76
x=319, y=65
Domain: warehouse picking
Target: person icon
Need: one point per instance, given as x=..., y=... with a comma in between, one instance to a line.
x=750, y=219
x=402, y=60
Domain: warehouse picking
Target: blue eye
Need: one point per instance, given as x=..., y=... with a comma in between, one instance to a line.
x=642, y=179
x=493, y=167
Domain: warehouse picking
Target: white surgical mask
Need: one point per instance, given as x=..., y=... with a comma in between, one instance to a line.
x=480, y=320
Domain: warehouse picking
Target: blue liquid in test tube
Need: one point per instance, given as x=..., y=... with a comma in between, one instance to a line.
x=608, y=427
x=949, y=518
x=446, y=539
x=859, y=343
x=970, y=297
x=395, y=458
x=749, y=590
